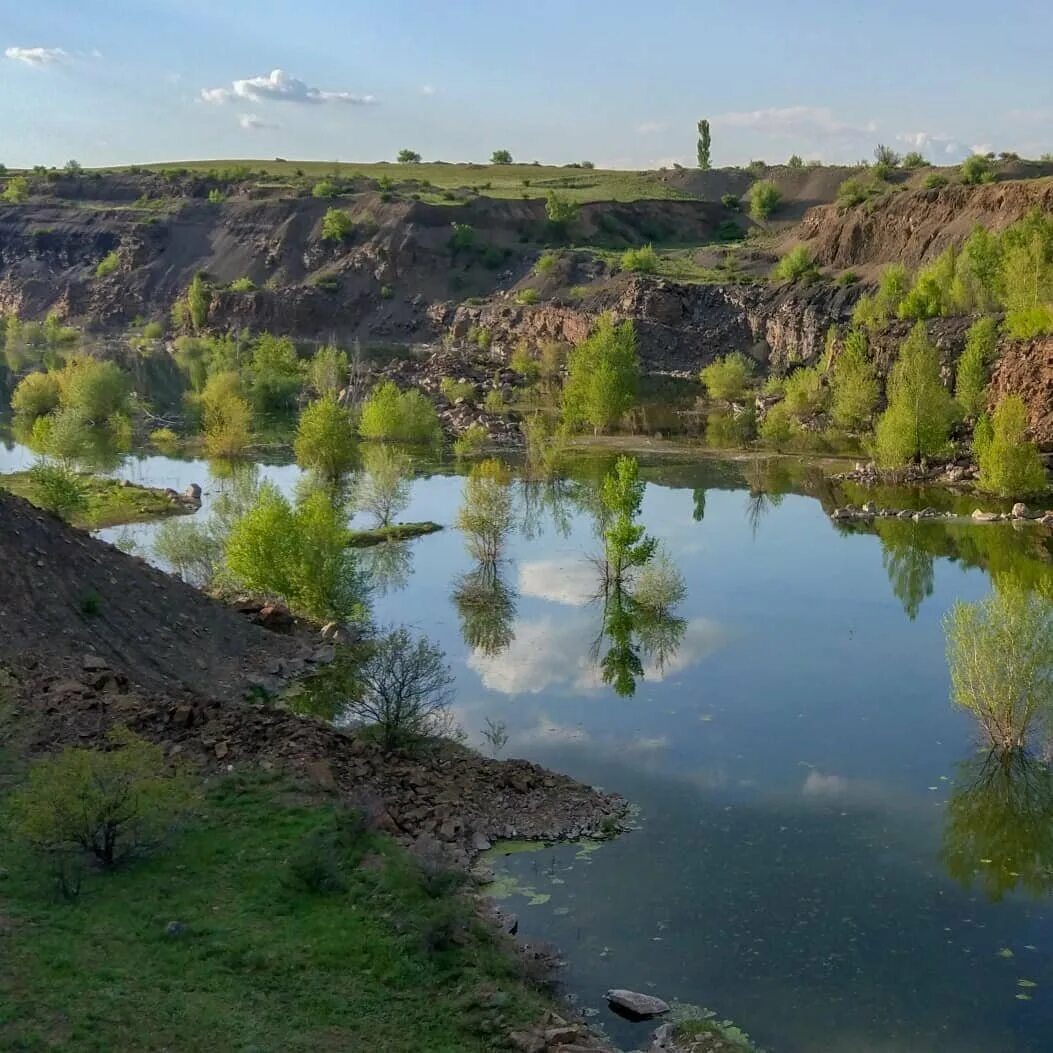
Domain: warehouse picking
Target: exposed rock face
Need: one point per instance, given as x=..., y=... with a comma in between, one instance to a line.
x=1026, y=369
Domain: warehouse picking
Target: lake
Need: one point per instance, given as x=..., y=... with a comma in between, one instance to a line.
x=819, y=852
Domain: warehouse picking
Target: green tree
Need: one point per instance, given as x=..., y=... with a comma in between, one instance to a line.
x=795, y=161
x=383, y=488
x=602, y=375
x=337, y=225
x=920, y=410
x=797, y=265
x=96, y=389
x=56, y=488
x=764, y=199
x=912, y=159
x=933, y=291
x=806, y=392
x=885, y=155
x=1028, y=277
x=778, y=426
x=703, y=145
x=626, y=544
x=16, y=191
x=643, y=260
x=37, y=394
x=853, y=384
x=561, y=212
x=728, y=378
x=276, y=372
x=394, y=416
x=977, y=169
x=328, y=371
x=970, y=382
x=325, y=438
x=979, y=280
x=1009, y=464
x=198, y=300
x=1000, y=655
x=107, y=804
x=226, y=416
x=408, y=157
x=500, y=157
x=485, y=515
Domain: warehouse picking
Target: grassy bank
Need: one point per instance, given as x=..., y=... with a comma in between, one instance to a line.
x=109, y=502
x=391, y=959
x=394, y=532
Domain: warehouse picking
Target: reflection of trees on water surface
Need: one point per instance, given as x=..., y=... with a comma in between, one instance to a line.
x=387, y=566
x=998, y=832
x=486, y=605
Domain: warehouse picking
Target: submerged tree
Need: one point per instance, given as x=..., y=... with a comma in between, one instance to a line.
x=325, y=438
x=1000, y=654
x=383, y=488
x=999, y=824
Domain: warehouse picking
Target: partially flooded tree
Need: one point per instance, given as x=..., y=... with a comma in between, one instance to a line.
x=485, y=516
x=382, y=490
x=325, y=438
x=1000, y=654
x=626, y=543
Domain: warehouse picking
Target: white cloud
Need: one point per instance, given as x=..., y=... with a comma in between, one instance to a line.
x=278, y=86
x=934, y=145
x=37, y=57
x=816, y=122
x=548, y=579
x=983, y=148
x=253, y=123
x=427, y=89
x=650, y=127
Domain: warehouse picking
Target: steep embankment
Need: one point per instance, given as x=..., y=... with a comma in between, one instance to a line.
x=912, y=227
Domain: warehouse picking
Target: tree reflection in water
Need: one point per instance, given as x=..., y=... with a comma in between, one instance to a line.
x=387, y=566
x=999, y=827
x=486, y=605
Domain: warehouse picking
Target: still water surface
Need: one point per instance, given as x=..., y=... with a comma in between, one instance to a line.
x=819, y=853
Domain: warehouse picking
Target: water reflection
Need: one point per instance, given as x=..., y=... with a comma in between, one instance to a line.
x=486, y=606
x=387, y=566
x=998, y=833
x=906, y=551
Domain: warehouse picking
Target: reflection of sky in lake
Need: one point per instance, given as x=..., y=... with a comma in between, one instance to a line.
x=792, y=763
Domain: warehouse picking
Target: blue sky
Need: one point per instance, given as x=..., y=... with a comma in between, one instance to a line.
x=616, y=82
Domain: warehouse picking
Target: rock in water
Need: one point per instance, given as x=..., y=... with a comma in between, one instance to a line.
x=1020, y=510
x=634, y=1004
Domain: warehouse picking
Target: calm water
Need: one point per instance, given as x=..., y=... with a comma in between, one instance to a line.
x=818, y=854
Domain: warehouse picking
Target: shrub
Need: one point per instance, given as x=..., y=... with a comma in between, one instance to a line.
x=1009, y=464
x=108, y=265
x=16, y=191
x=524, y=363
x=153, y=331
x=325, y=438
x=602, y=376
x=797, y=265
x=727, y=378
x=546, y=261
x=854, y=191
x=920, y=410
x=463, y=238
x=764, y=199
x=934, y=180
x=107, y=804
x=36, y=395
x=848, y=278
x=276, y=373
x=881, y=171
x=913, y=159
x=408, y=157
x=164, y=439
x=500, y=157
x=495, y=402
x=328, y=372
x=777, y=428
x=853, y=384
x=527, y=297
x=404, y=689
x=885, y=155
x=805, y=392
x=242, y=285
x=977, y=169
x=95, y=389
x=471, y=442
x=324, y=189
x=336, y=225
x=932, y=293
x=398, y=416
x=382, y=490
x=560, y=211
x=456, y=389
x=731, y=202
x=999, y=653
x=971, y=376
x=226, y=416
x=216, y=196
x=57, y=489
x=643, y=260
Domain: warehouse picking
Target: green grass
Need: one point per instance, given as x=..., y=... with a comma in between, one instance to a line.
x=263, y=965
x=394, y=532
x=109, y=503
x=678, y=264
x=506, y=181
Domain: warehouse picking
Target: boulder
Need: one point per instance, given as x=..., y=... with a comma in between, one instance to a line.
x=1020, y=510
x=984, y=517
x=636, y=1005
x=193, y=493
x=92, y=663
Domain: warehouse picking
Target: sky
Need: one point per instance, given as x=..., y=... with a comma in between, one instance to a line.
x=618, y=83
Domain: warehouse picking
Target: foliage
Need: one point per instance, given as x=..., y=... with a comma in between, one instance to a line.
x=778, y=426
x=408, y=157
x=527, y=297
x=805, y=392
x=299, y=555
x=404, y=688
x=500, y=157
x=932, y=293
x=325, y=438
x=226, y=416
x=328, y=371
x=57, y=488
x=337, y=225
x=276, y=372
x=626, y=544
x=764, y=199
x=452, y=389
x=1009, y=464
x=795, y=161
x=934, y=180
x=485, y=515
x=659, y=585
x=853, y=384
x=395, y=416
x=95, y=389
x=524, y=363
x=602, y=376
x=471, y=442
x=198, y=299
x=108, y=265
x=703, y=146
x=486, y=607
x=920, y=410
x=37, y=394
x=324, y=188
x=643, y=260
x=855, y=191
x=16, y=191
x=731, y=202
x=912, y=159
x=545, y=446
x=885, y=155
x=108, y=804
x=977, y=169
x=970, y=382
x=560, y=211
x=164, y=439
x=1000, y=654
x=242, y=285
x=727, y=378
x=193, y=550
x=797, y=265
x=383, y=488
